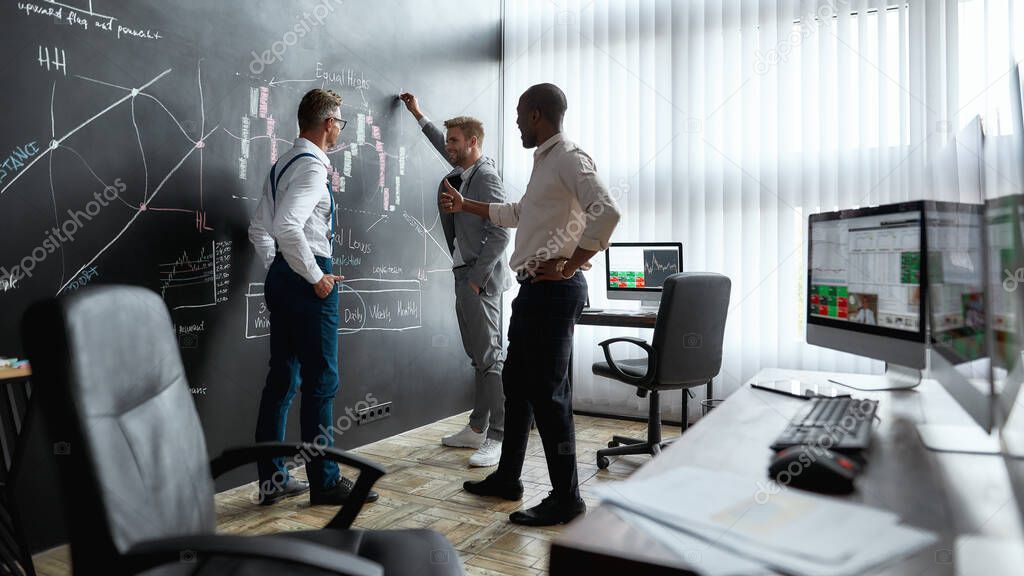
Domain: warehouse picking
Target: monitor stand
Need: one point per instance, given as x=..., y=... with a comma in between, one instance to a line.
x=976, y=554
x=896, y=378
x=960, y=439
x=650, y=306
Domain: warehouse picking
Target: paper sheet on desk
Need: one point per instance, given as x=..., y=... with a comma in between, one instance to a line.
x=796, y=532
x=703, y=557
x=753, y=511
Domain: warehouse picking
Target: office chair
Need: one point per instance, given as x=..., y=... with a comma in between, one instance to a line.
x=132, y=456
x=686, y=352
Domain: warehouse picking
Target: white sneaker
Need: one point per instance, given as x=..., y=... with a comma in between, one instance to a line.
x=465, y=438
x=487, y=455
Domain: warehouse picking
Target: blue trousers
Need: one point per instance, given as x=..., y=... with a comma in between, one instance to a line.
x=303, y=355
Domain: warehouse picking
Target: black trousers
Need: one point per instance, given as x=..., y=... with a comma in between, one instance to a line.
x=535, y=379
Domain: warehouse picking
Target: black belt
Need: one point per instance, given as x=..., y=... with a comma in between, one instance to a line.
x=523, y=277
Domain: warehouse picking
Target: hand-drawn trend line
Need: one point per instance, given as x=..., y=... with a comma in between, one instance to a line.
x=103, y=83
x=142, y=152
x=53, y=125
x=94, y=174
x=275, y=81
x=239, y=138
x=147, y=95
x=202, y=126
x=422, y=230
x=180, y=127
x=132, y=220
x=54, y=143
x=56, y=219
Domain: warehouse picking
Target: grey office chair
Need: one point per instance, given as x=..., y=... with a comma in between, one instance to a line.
x=686, y=352
x=133, y=459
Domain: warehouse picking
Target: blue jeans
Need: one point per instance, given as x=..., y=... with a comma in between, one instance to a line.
x=303, y=351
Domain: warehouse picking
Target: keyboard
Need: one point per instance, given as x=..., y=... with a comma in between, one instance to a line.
x=842, y=424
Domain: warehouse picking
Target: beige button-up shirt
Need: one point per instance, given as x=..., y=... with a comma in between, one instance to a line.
x=565, y=205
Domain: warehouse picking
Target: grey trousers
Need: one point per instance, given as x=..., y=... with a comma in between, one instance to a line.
x=480, y=324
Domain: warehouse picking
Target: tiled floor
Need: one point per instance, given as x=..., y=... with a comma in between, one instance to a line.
x=423, y=489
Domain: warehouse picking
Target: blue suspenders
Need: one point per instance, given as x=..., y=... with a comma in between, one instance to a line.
x=273, y=189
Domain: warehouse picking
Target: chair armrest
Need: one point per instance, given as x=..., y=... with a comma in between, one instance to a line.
x=196, y=549
x=369, y=472
x=652, y=360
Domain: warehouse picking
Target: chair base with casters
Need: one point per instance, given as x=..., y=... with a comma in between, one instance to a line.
x=654, y=444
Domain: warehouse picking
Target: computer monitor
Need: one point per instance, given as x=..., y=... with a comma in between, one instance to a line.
x=637, y=270
x=865, y=272
x=1008, y=282
x=958, y=320
x=963, y=309
x=1004, y=218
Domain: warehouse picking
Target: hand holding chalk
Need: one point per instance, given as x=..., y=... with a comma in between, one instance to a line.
x=411, y=104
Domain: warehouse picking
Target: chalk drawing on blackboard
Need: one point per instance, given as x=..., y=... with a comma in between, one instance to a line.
x=257, y=316
x=365, y=304
x=59, y=62
x=197, y=280
x=49, y=151
x=84, y=8
x=380, y=304
x=58, y=141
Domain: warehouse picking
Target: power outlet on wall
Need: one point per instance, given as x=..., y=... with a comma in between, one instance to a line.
x=375, y=412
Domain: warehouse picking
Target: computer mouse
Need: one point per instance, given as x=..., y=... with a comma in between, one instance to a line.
x=815, y=469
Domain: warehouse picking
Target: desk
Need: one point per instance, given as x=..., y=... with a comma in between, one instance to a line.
x=951, y=494
x=14, y=407
x=618, y=318
x=14, y=373
x=33, y=504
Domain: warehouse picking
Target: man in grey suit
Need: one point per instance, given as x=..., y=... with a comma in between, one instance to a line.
x=481, y=273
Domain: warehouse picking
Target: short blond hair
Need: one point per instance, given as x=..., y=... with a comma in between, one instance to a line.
x=316, y=106
x=470, y=127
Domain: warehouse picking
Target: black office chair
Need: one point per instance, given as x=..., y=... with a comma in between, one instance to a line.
x=686, y=352
x=132, y=456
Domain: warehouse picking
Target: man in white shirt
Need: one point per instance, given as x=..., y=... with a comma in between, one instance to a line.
x=565, y=217
x=481, y=275
x=293, y=233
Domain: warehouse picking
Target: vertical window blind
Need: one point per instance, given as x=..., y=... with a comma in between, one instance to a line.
x=724, y=123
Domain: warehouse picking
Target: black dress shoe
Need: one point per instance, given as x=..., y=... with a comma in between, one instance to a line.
x=550, y=512
x=494, y=486
x=338, y=495
x=290, y=488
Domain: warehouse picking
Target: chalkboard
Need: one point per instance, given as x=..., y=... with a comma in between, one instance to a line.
x=136, y=138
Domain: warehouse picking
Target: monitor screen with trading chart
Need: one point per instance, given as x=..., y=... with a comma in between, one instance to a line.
x=864, y=277
x=637, y=270
x=865, y=271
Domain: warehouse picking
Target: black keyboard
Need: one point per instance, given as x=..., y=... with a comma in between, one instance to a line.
x=842, y=424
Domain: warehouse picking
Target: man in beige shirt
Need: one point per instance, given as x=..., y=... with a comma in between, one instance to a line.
x=564, y=219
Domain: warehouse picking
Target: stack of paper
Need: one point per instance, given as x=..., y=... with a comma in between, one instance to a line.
x=780, y=528
x=700, y=555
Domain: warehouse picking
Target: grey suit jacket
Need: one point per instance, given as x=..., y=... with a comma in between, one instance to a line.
x=481, y=242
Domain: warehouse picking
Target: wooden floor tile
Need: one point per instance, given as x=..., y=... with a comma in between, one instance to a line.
x=423, y=489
